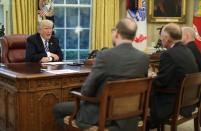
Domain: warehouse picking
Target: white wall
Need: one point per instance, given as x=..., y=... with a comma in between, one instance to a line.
x=153, y=33
x=152, y=27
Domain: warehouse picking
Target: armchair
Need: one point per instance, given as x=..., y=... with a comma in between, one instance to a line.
x=13, y=48
x=189, y=94
x=120, y=99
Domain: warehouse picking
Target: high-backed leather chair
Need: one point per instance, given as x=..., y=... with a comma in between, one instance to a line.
x=13, y=48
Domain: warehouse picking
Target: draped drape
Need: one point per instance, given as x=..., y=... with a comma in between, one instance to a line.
x=105, y=16
x=24, y=16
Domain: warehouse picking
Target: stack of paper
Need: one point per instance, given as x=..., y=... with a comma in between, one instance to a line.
x=58, y=63
x=61, y=71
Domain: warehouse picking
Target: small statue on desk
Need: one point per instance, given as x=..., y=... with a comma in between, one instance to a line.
x=159, y=46
x=2, y=31
x=91, y=57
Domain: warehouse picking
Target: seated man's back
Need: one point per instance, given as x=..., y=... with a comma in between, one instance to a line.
x=177, y=61
x=121, y=62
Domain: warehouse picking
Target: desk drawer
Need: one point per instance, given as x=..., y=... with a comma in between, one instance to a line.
x=73, y=81
x=45, y=84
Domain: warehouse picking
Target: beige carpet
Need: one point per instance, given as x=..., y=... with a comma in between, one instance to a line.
x=188, y=126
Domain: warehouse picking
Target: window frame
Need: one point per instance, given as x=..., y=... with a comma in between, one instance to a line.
x=65, y=28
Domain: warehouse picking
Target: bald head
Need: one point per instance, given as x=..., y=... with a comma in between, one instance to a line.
x=173, y=30
x=188, y=34
x=127, y=28
x=170, y=34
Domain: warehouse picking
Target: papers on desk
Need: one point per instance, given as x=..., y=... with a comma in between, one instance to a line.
x=2, y=65
x=58, y=63
x=61, y=71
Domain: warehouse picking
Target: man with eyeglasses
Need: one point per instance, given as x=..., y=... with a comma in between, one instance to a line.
x=175, y=62
x=121, y=62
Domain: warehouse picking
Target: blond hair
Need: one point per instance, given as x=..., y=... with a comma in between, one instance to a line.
x=43, y=23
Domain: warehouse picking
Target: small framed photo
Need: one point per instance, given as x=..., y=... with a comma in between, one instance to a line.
x=167, y=11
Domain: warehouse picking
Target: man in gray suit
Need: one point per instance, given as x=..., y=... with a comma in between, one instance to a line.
x=121, y=62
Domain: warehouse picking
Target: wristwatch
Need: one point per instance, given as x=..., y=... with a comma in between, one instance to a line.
x=50, y=58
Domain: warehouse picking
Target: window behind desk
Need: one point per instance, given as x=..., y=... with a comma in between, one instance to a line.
x=73, y=26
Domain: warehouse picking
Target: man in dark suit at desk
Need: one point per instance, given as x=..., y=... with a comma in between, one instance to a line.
x=177, y=61
x=42, y=46
x=121, y=62
x=188, y=38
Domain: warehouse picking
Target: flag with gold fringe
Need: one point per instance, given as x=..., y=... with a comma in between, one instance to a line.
x=136, y=9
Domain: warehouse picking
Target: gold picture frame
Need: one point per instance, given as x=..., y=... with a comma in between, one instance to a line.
x=161, y=11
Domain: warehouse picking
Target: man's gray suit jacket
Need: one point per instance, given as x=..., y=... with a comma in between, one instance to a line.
x=121, y=62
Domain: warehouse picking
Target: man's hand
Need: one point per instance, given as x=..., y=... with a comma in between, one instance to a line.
x=44, y=60
x=152, y=74
x=55, y=56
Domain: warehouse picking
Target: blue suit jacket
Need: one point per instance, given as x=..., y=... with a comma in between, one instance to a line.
x=35, y=48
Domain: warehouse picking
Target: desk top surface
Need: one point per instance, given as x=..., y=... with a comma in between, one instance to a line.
x=37, y=70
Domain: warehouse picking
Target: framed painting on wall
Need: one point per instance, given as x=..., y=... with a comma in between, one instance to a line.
x=167, y=11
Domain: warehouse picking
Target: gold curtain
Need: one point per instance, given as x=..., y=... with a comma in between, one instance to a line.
x=24, y=16
x=105, y=16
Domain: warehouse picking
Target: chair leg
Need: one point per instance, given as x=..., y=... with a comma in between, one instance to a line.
x=196, y=124
x=162, y=127
x=200, y=119
x=158, y=128
x=173, y=127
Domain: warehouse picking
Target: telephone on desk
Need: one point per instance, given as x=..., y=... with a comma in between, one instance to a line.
x=93, y=54
x=89, y=60
x=76, y=64
x=91, y=57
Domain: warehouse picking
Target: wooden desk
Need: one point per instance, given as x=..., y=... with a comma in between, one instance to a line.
x=28, y=94
x=155, y=57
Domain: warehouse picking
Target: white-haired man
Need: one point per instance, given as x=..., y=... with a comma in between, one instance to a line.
x=175, y=62
x=42, y=46
x=188, y=38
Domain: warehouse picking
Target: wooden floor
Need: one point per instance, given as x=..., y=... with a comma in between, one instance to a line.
x=188, y=126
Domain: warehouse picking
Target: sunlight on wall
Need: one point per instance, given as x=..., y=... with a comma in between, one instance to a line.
x=152, y=27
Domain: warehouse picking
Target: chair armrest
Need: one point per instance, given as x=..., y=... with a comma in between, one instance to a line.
x=84, y=98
